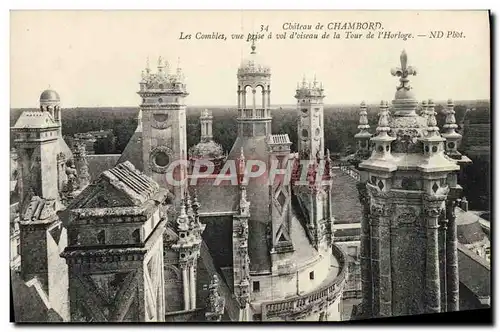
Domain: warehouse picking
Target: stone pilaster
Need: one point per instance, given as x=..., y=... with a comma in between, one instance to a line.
x=216, y=302
x=192, y=285
x=366, y=284
x=376, y=211
x=432, y=282
x=385, y=262
x=451, y=258
x=443, y=225
x=185, y=284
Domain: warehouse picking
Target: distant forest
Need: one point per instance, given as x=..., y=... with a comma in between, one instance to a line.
x=340, y=125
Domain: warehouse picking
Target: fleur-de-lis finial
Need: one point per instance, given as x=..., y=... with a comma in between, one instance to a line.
x=403, y=72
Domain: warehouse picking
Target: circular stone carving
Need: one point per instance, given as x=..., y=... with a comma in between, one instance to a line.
x=159, y=159
x=451, y=145
x=434, y=148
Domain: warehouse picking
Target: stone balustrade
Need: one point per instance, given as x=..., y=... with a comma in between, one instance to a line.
x=351, y=171
x=331, y=290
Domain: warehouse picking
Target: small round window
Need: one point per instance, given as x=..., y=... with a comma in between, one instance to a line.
x=451, y=145
x=161, y=159
x=160, y=100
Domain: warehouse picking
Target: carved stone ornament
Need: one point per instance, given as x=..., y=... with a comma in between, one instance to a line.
x=432, y=211
x=364, y=198
x=409, y=217
x=377, y=210
x=164, y=150
x=160, y=121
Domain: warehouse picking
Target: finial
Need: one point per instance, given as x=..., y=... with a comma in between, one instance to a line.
x=450, y=122
x=160, y=62
x=253, y=47
x=383, y=122
x=363, y=119
x=147, y=65
x=304, y=83
x=432, y=129
x=403, y=72
x=183, y=209
x=315, y=81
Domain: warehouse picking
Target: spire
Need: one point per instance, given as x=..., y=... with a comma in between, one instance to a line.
x=304, y=82
x=182, y=219
x=450, y=122
x=315, y=82
x=148, y=70
x=432, y=128
x=363, y=119
x=383, y=121
x=196, y=204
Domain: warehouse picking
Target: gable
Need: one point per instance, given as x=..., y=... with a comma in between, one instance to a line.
x=101, y=195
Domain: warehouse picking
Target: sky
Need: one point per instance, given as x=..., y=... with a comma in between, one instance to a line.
x=95, y=58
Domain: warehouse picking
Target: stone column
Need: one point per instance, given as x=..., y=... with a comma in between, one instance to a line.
x=192, y=285
x=451, y=258
x=263, y=99
x=239, y=98
x=185, y=286
x=268, y=97
x=432, y=282
x=244, y=103
x=366, y=285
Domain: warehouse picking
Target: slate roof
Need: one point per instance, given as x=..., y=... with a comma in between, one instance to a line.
x=469, y=230
x=28, y=304
x=474, y=272
x=346, y=205
x=133, y=150
x=99, y=163
x=35, y=119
